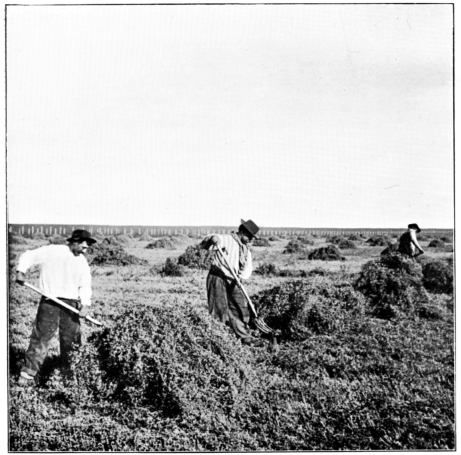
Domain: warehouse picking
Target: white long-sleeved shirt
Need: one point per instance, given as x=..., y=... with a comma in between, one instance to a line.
x=232, y=248
x=62, y=274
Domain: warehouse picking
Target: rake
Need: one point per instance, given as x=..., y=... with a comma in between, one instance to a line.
x=260, y=324
x=60, y=302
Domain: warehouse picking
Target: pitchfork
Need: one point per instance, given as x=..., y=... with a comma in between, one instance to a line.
x=60, y=302
x=260, y=324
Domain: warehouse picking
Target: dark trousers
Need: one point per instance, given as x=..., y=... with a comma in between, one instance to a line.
x=227, y=303
x=51, y=317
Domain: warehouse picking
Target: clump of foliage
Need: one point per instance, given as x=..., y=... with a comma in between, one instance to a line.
x=326, y=253
x=393, y=285
x=262, y=241
x=354, y=238
x=379, y=240
x=436, y=243
x=300, y=309
x=346, y=245
x=112, y=253
x=39, y=236
x=196, y=257
x=274, y=238
x=166, y=243
x=172, y=268
x=438, y=277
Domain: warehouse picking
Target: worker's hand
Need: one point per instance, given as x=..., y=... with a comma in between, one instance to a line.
x=84, y=311
x=20, y=278
x=215, y=241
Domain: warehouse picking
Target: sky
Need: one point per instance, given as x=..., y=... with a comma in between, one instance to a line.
x=196, y=115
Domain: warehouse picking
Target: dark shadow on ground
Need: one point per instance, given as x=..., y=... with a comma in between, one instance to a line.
x=16, y=360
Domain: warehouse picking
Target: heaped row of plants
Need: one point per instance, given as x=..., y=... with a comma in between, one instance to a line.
x=357, y=362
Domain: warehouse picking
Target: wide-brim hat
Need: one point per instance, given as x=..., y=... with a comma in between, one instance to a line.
x=414, y=226
x=251, y=227
x=80, y=235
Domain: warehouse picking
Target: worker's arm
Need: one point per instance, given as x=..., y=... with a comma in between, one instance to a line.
x=211, y=241
x=27, y=260
x=414, y=240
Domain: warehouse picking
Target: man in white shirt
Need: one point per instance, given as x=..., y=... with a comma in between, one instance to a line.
x=65, y=274
x=226, y=301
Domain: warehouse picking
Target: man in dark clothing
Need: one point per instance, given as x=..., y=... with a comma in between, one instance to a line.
x=408, y=243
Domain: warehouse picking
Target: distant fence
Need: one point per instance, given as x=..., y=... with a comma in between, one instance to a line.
x=158, y=231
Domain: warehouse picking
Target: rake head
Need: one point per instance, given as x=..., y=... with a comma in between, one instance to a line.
x=261, y=325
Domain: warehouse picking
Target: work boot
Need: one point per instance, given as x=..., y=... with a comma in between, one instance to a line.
x=25, y=379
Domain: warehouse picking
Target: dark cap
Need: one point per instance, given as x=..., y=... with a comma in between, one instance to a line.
x=250, y=227
x=414, y=226
x=80, y=235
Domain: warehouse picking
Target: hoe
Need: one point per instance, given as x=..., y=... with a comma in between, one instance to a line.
x=260, y=324
x=60, y=302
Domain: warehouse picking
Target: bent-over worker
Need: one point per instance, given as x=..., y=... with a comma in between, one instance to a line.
x=226, y=301
x=408, y=243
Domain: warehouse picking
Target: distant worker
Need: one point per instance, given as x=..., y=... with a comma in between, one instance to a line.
x=226, y=301
x=65, y=274
x=408, y=243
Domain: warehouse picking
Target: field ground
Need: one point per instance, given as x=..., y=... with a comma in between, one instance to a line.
x=425, y=421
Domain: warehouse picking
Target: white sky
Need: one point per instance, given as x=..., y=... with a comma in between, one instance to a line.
x=291, y=115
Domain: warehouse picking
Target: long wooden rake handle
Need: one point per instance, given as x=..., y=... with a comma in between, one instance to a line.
x=60, y=302
x=259, y=323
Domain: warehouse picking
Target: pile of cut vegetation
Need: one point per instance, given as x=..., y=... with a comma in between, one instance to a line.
x=164, y=358
x=299, y=309
x=335, y=239
x=111, y=253
x=393, y=284
x=267, y=269
x=294, y=246
x=391, y=249
x=124, y=239
x=172, y=268
x=305, y=240
x=326, y=253
x=436, y=243
x=438, y=277
x=346, y=245
x=196, y=257
x=379, y=240
x=274, y=238
x=354, y=238
x=145, y=237
x=166, y=243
